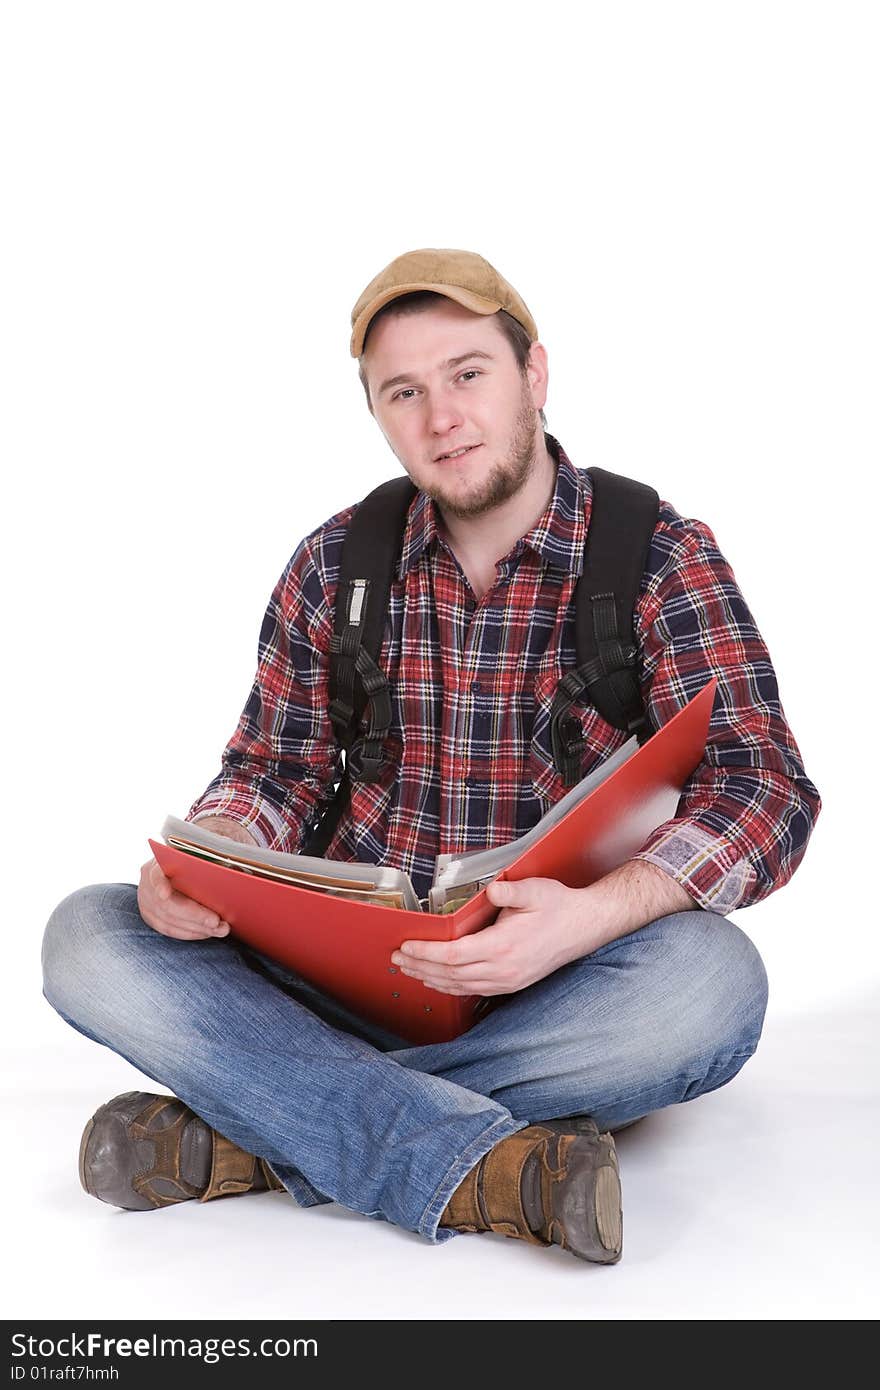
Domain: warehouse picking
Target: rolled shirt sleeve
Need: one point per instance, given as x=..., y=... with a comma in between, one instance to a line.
x=746, y=813
x=279, y=767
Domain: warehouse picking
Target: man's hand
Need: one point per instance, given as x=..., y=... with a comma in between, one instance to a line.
x=543, y=925
x=174, y=914
x=535, y=933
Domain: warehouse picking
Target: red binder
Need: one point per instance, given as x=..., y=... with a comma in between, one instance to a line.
x=345, y=947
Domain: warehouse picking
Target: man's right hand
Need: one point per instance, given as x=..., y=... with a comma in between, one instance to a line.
x=173, y=913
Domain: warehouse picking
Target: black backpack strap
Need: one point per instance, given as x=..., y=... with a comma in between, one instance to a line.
x=370, y=555
x=622, y=521
x=623, y=516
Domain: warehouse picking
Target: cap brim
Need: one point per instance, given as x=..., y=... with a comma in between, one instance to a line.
x=476, y=302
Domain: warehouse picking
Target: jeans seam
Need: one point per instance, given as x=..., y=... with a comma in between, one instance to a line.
x=502, y=1128
x=646, y=1090
x=300, y=1189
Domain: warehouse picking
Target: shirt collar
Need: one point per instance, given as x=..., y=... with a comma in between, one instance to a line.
x=558, y=536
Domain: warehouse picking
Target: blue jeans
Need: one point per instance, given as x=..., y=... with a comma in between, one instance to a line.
x=343, y=1111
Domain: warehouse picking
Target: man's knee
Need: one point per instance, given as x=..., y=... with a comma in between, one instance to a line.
x=725, y=995
x=75, y=939
x=682, y=991
x=691, y=1018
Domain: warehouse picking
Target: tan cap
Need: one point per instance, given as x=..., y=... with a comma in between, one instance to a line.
x=460, y=275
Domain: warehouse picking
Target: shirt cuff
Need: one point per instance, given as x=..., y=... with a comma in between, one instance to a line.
x=705, y=865
x=260, y=818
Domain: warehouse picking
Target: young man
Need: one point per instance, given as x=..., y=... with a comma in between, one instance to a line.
x=610, y=1001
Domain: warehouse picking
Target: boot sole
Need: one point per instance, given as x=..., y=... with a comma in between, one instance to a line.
x=592, y=1229
x=609, y=1215
x=83, y=1146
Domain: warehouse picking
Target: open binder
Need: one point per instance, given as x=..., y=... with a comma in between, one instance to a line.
x=344, y=945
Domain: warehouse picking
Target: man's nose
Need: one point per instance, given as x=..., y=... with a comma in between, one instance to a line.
x=442, y=413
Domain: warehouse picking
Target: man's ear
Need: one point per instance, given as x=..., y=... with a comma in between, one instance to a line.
x=538, y=374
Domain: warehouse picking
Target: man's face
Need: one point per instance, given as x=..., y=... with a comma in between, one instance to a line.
x=444, y=379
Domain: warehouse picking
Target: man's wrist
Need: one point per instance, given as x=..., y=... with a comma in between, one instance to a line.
x=627, y=898
x=225, y=825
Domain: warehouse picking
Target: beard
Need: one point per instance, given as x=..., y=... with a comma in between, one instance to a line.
x=505, y=479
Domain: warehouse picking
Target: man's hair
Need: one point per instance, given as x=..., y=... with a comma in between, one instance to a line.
x=417, y=300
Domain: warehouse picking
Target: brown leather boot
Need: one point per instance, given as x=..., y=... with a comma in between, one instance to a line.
x=552, y=1183
x=141, y=1151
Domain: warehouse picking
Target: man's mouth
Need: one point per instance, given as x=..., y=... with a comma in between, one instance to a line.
x=457, y=453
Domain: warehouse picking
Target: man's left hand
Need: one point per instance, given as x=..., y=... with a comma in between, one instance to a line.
x=540, y=927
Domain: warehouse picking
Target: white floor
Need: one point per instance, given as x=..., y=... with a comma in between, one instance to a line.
x=756, y=1202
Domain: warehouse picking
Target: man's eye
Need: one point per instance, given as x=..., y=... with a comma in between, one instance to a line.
x=408, y=390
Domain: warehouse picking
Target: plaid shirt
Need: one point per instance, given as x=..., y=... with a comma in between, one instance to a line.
x=469, y=762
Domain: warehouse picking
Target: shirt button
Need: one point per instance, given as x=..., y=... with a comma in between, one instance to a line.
x=476, y=688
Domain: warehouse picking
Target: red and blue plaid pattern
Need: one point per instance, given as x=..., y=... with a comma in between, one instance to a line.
x=468, y=760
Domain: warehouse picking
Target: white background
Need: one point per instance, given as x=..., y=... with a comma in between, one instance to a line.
x=685, y=194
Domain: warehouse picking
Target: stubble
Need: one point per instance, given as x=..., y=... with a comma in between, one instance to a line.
x=505, y=479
